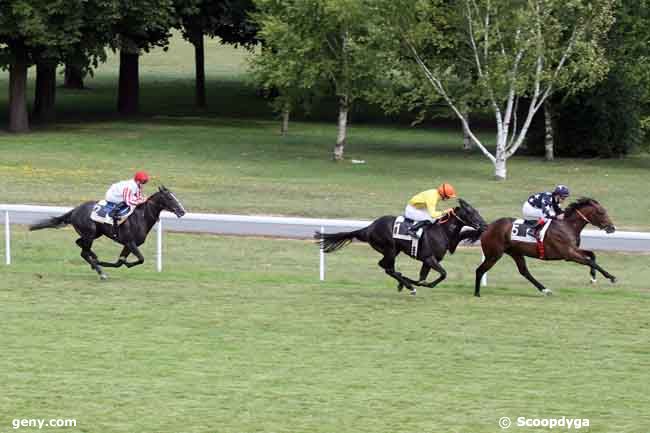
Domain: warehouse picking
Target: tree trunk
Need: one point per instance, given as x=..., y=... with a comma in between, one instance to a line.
x=128, y=96
x=467, y=141
x=18, y=119
x=199, y=61
x=284, y=129
x=73, y=77
x=500, y=171
x=548, y=128
x=342, y=131
x=45, y=92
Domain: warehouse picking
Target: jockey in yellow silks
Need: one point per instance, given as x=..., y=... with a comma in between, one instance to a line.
x=422, y=206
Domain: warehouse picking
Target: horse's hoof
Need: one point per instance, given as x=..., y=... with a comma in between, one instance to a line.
x=613, y=280
x=547, y=292
x=103, y=277
x=413, y=292
x=400, y=286
x=593, y=281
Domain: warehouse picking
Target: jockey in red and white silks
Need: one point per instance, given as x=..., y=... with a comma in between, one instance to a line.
x=127, y=193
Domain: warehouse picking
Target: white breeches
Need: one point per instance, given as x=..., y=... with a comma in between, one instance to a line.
x=411, y=212
x=531, y=213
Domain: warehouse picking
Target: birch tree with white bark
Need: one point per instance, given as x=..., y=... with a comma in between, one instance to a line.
x=521, y=51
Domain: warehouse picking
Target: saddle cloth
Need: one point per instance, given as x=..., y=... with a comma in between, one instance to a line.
x=400, y=228
x=522, y=230
x=103, y=208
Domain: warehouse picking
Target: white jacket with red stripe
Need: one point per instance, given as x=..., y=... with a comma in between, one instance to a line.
x=127, y=191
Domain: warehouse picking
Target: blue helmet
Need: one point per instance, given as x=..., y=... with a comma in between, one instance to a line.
x=562, y=191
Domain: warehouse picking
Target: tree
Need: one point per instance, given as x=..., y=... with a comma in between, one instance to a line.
x=31, y=32
x=44, y=33
x=226, y=19
x=519, y=50
x=320, y=43
x=142, y=25
x=606, y=120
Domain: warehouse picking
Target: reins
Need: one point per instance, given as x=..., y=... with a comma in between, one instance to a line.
x=446, y=217
x=584, y=217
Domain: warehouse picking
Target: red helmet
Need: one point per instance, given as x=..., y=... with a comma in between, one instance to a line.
x=141, y=177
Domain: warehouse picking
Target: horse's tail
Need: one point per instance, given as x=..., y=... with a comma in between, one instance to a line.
x=331, y=242
x=54, y=222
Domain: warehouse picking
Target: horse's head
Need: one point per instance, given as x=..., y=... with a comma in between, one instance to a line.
x=169, y=202
x=591, y=212
x=469, y=216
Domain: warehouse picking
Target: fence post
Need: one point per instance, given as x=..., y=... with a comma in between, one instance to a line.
x=484, y=277
x=322, y=257
x=159, y=246
x=7, y=239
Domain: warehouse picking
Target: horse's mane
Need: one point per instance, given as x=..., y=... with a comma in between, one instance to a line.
x=581, y=202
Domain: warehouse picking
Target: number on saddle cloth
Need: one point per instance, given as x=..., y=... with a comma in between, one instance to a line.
x=400, y=231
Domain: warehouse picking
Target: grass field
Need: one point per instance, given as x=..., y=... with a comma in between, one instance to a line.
x=238, y=335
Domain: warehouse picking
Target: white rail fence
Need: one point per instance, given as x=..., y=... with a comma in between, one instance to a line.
x=283, y=227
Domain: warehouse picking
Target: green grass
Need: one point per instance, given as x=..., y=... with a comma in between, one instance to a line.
x=244, y=166
x=238, y=335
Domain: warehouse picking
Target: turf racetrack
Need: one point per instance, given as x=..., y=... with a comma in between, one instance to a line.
x=238, y=335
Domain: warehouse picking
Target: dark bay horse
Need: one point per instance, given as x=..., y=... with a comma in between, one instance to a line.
x=436, y=240
x=562, y=242
x=132, y=233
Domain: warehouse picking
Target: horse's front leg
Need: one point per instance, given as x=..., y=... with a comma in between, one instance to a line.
x=133, y=248
x=592, y=270
x=580, y=256
x=121, y=260
x=432, y=263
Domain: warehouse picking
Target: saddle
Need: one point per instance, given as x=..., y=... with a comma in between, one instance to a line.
x=400, y=229
x=522, y=231
x=102, y=209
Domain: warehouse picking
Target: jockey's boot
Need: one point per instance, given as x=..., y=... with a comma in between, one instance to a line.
x=538, y=228
x=116, y=227
x=413, y=231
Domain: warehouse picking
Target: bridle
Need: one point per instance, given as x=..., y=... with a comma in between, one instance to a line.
x=445, y=219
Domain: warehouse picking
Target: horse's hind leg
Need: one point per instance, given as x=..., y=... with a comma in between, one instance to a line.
x=523, y=270
x=90, y=257
x=388, y=264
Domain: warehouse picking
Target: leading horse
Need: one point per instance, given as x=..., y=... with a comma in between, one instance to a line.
x=435, y=241
x=131, y=234
x=562, y=242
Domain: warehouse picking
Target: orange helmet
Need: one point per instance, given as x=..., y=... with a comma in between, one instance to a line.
x=446, y=191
